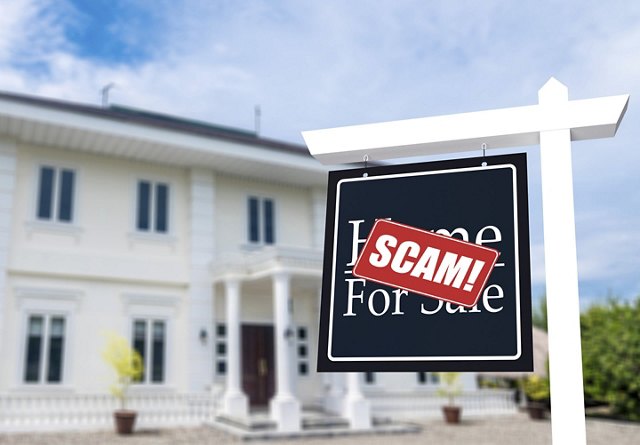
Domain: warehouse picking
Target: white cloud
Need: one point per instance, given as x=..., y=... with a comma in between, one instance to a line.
x=28, y=32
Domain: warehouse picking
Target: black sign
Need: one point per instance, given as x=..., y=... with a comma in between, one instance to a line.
x=367, y=326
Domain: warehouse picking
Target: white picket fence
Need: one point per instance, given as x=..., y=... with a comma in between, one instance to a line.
x=30, y=412
x=412, y=406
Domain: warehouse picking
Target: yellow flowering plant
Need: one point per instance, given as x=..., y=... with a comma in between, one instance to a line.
x=451, y=386
x=537, y=387
x=125, y=361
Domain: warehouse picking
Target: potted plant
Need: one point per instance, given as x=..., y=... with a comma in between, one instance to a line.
x=537, y=390
x=127, y=364
x=450, y=388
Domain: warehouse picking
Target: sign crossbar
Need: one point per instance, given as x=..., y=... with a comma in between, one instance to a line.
x=507, y=127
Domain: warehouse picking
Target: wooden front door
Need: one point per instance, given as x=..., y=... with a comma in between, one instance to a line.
x=258, y=364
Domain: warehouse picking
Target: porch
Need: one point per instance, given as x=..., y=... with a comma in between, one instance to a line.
x=264, y=367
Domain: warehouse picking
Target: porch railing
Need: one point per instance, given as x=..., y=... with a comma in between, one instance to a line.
x=30, y=412
x=57, y=412
x=412, y=406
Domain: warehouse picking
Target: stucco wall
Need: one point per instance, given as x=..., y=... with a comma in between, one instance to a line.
x=102, y=240
x=293, y=220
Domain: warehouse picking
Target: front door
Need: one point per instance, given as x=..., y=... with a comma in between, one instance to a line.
x=258, y=364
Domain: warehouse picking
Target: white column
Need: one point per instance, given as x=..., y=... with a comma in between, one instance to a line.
x=333, y=395
x=318, y=208
x=235, y=401
x=285, y=408
x=202, y=242
x=7, y=190
x=563, y=304
x=356, y=408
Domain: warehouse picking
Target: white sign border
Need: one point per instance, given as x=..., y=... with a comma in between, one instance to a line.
x=334, y=270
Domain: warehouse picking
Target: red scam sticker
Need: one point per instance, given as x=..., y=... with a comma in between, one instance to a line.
x=426, y=263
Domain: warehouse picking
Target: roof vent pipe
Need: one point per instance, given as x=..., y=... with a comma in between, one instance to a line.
x=105, y=93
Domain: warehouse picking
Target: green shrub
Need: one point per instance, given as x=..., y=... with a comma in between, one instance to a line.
x=611, y=356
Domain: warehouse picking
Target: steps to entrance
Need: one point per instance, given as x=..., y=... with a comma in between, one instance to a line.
x=254, y=422
x=314, y=420
x=259, y=426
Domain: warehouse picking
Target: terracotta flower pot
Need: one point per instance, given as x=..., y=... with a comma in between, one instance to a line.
x=452, y=414
x=536, y=410
x=124, y=420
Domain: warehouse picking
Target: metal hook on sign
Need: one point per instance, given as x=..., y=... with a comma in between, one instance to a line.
x=484, y=154
x=365, y=158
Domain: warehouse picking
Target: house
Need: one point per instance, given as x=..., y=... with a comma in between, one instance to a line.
x=200, y=244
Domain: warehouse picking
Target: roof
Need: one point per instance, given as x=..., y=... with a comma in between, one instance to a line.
x=158, y=120
x=155, y=137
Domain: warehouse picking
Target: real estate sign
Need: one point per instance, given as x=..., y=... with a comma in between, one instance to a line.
x=427, y=268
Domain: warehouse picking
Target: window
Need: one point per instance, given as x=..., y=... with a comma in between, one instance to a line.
x=428, y=377
x=261, y=220
x=44, y=353
x=152, y=211
x=369, y=377
x=302, y=350
x=55, y=194
x=221, y=349
x=149, y=339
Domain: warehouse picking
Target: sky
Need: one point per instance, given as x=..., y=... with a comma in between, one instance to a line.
x=327, y=63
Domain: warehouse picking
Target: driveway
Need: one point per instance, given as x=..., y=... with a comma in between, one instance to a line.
x=512, y=430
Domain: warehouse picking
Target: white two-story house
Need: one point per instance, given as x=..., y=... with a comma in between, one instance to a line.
x=200, y=244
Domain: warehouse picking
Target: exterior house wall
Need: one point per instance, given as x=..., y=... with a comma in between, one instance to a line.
x=97, y=271
x=109, y=273
x=293, y=226
x=8, y=164
x=92, y=309
x=407, y=382
x=104, y=221
x=101, y=273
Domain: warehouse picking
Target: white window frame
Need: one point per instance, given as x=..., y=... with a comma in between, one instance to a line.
x=45, y=358
x=48, y=303
x=262, y=226
x=155, y=308
x=54, y=223
x=152, y=231
x=57, y=190
x=149, y=322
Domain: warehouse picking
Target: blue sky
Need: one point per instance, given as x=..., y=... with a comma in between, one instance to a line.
x=325, y=63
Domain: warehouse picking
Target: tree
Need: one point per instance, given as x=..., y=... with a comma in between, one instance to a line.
x=539, y=316
x=611, y=356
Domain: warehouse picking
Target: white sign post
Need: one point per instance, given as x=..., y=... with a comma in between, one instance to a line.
x=553, y=123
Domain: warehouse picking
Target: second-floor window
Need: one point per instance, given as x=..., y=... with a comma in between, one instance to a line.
x=152, y=212
x=261, y=220
x=55, y=194
x=44, y=352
